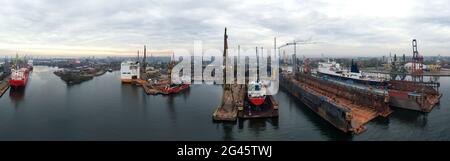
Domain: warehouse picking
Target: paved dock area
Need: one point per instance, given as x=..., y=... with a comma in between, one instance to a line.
x=4, y=86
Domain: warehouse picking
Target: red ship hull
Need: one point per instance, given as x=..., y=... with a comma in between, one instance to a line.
x=17, y=83
x=169, y=90
x=257, y=101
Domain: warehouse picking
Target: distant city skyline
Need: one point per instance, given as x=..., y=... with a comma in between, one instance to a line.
x=120, y=28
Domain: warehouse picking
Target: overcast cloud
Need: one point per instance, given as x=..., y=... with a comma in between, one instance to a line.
x=113, y=27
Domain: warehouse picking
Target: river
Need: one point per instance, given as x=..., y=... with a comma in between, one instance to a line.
x=104, y=109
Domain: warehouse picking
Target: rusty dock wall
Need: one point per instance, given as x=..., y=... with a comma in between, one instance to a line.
x=345, y=108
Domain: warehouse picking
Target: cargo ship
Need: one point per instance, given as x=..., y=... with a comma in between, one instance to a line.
x=129, y=71
x=256, y=93
x=174, y=88
x=334, y=70
x=19, y=77
x=19, y=74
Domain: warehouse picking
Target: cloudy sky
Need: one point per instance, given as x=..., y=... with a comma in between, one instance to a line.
x=117, y=27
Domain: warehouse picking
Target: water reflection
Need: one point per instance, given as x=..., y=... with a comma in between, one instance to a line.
x=410, y=118
x=228, y=130
x=258, y=124
x=114, y=111
x=171, y=107
x=16, y=94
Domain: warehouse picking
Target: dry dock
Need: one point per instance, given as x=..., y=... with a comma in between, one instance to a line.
x=267, y=110
x=235, y=105
x=348, y=109
x=418, y=96
x=228, y=108
x=151, y=90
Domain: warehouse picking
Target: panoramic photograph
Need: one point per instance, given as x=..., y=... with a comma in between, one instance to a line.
x=263, y=71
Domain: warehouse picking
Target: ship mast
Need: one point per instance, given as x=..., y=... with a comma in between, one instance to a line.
x=257, y=65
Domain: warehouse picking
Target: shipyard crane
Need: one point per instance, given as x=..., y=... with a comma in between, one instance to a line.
x=295, y=43
x=417, y=63
x=227, y=89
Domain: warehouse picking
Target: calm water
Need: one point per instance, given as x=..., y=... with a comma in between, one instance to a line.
x=103, y=109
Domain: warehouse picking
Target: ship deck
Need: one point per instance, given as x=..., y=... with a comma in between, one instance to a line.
x=362, y=87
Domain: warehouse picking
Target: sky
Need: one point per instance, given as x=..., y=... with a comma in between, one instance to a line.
x=119, y=28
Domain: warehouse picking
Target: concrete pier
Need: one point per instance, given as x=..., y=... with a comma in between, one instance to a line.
x=4, y=86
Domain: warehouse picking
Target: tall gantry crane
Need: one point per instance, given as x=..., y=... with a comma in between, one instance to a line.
x=295, y=43
x=417, y=63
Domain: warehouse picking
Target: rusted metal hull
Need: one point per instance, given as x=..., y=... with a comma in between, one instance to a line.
x=228, y=110
x=417, y=96
x=328, y=111
x=401, y=99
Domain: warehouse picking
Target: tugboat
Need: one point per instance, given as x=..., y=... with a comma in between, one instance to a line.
x=256, y=93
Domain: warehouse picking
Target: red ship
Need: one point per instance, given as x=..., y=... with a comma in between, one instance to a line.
x=256, y=93
x=19, y=77
x=174, y=88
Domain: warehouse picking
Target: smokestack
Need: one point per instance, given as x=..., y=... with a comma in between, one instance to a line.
x=144, y=61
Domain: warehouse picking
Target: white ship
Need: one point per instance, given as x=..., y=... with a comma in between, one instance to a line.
x=129, y=71
x=30, y=64
x=256, y=93
x=334, y=70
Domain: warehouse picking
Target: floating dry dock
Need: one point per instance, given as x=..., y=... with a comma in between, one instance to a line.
x=149, y=89
x=228, y=109
x=418, y=96
x=235, y=105
x=267, y=110
x=346, y=108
